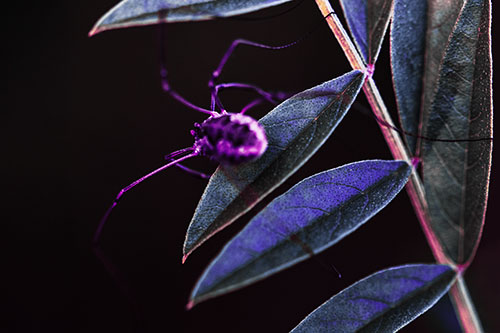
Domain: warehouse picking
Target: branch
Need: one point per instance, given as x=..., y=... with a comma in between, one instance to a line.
x=415, y=189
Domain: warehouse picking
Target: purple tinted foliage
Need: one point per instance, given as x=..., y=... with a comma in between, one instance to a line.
x=408, y=32
x=131, y=13
x=382, y=302
x=319, y=211
x=295, y=129
x=456, y=176
x=355, y=13
x=228, y=138
x=368, y=21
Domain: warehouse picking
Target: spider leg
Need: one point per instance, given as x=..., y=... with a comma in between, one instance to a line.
x=188, y=170
x=273, y=98
x=170, y=157
x=216, y=73
x=137, y=182
x=250, y=105
x=165, y=85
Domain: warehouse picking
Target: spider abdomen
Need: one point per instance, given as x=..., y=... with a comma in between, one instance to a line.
x=230, y=138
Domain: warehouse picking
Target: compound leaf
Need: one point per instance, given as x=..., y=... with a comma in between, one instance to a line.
x=295, y=130
x=368, y=21
x=313, y=215
x=382, y=302
x=130, y=13
x=456, y=174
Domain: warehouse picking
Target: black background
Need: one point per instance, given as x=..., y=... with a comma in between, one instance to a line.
x=85, y=117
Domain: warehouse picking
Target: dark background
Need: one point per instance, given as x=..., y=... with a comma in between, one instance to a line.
x=85, y=117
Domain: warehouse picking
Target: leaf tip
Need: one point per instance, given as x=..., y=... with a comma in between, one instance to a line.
x=190, y=305
x=184, y=257
x=95, y=30
x=188, y=249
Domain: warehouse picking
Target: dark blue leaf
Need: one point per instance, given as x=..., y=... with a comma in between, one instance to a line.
x=441, y=18
x=408, y=29
x=129, y=13
x=295, y=130
x=456, y=175
x=368, y=21
x=383, y=302
x=419, y=34
x=313, y=215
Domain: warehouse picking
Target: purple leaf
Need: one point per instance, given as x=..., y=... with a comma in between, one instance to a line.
x=456, y=175
x=408, y=29
x=383, y=302
x=419, y=34
x=368, y=21
x=312, y=216
x=295, y=130
x=131, y=13
x=441, y=18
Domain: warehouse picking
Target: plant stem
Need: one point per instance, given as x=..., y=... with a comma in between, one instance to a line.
x=415, y=189
x=459, y=294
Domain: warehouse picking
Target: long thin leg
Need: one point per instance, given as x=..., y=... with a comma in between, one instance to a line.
x=170, y=158
x=129, y=187
x=216, y=73
x=273, y=98
x=193, y=172
x=166, y=86
x=252, y=104
x=189, y=170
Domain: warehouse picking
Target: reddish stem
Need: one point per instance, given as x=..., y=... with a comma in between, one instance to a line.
x=458, y=292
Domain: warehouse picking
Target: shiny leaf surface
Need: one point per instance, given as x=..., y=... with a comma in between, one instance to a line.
x=368, y=21
x=130, y=13
x=408, y=31
x=383, y=302
x=441, y=18
x=456, y=175
x=419, y=34
x=312, y=216
x=295, y=130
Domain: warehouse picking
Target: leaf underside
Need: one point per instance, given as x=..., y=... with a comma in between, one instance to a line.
x=456, y=175
x=383, y=302
x=442, y=16
x=419, y=34
x=312, y=216
x=408, y=29
x=130, y=13
x=368, y=21
x=295, y=130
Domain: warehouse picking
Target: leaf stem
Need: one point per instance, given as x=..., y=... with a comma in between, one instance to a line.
x=468, y=318
x=415, y=189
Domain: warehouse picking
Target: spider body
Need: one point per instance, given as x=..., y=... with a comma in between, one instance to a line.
x=230, y=138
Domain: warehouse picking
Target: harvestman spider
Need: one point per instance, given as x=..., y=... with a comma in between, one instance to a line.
x=228, y=138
